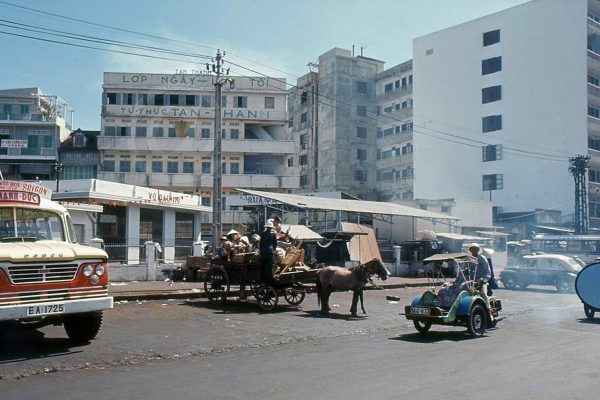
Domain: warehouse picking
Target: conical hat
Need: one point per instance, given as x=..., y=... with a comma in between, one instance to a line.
x=232, y=232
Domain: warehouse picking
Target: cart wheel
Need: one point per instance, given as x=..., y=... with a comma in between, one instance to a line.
x=216, y=285
x=477, y=321
x=266, y=296
x=422, y=326
x=589, y=311
x=294, y=295
x=254, y=289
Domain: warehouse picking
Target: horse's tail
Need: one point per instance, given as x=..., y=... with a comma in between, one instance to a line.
x=319, y=287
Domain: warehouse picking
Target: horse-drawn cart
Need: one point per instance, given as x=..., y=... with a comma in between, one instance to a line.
x=243, y=271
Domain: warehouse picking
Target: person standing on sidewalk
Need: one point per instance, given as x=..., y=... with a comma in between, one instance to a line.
x=268, y=244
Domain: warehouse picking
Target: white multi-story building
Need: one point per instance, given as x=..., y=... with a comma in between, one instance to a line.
x=158, y=131
x=500, y=105
x=395, y=133
x=32, y=125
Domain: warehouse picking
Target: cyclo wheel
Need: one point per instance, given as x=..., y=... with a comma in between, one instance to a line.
x=216, y=285
x=477, y=322
x=266, y=296
x=422, y=326
x=294, y=295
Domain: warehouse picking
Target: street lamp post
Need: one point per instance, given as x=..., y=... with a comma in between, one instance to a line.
x=58, y=168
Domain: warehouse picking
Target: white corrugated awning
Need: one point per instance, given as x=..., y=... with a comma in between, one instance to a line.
x=458, y=236
x=328, y=204
x=300, y=232
x=492, y=233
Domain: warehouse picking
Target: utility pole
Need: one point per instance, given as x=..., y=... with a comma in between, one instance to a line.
x=217, y=194
x=578, y=169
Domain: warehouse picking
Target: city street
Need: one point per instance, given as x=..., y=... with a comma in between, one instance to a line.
x=155, y=350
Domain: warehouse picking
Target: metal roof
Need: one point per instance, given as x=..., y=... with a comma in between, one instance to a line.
x=458, y=236
x=493, y=233
x=300, y=232
x=301, y=202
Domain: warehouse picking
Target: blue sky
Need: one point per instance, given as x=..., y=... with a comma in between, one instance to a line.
x=278, y=38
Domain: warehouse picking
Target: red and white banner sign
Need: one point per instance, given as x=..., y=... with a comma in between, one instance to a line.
x=19, y=197
x=27, y=187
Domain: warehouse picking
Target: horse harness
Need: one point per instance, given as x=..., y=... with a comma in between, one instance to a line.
x=362, y=274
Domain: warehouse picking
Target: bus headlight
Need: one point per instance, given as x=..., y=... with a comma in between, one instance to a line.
x=88, y=270
x=100, y=269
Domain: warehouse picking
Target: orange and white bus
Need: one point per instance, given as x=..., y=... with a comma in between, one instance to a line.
x=45, y=276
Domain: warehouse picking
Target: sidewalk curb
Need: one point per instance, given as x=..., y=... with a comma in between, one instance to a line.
x=199, y=293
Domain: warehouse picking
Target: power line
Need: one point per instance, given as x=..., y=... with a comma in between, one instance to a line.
x=137, y=33
x=86, y=38
x=94, y=39
x=91, y=47
x=529, y=154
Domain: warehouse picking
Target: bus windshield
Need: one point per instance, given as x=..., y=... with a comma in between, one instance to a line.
x=30, y=224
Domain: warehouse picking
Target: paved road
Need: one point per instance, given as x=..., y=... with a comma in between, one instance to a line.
x=157, y=350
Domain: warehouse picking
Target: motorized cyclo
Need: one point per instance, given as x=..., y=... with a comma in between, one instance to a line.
x=463, y=303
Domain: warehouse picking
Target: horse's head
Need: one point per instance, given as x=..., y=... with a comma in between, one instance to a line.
x=376, y=267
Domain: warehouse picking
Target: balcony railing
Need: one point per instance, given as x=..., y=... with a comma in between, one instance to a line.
x=185, y=145
x=400, y=183
x=24, y=117
x=201, y=181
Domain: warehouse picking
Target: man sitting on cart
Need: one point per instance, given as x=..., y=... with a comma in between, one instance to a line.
x=236, y=245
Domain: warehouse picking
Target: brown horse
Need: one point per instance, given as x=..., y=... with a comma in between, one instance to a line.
x=330, y=279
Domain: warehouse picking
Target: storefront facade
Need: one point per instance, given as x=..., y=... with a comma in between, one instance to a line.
x=132, y=215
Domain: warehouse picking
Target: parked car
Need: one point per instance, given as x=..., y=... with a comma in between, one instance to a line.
x=543, y=269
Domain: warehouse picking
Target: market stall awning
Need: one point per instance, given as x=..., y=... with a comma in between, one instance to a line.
x=96, y=191
x=493, y=233
x=363, y=245
x=300, y=232
x=302, y=202
x=458, y=236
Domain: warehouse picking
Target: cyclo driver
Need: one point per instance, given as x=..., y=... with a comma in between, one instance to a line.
x=475, y=272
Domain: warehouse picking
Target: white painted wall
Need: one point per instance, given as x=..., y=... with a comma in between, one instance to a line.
x=544, y=99
x=471, y=213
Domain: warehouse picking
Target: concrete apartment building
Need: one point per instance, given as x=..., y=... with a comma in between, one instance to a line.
x=503, y=101
x=337, y=130
x=157, y=131
x=353, y=121
x=32, y=125
x=395, y=133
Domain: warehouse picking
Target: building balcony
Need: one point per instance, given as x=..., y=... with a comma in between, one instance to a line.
x=26, y=118
x=193, y=181
x=400, y=184
x=399, y=162
x=397, y=139
x=40, y=154
x=186, y=145
x=593, y=125
x=394, y=94
x=593, y=56
x=593, y=90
